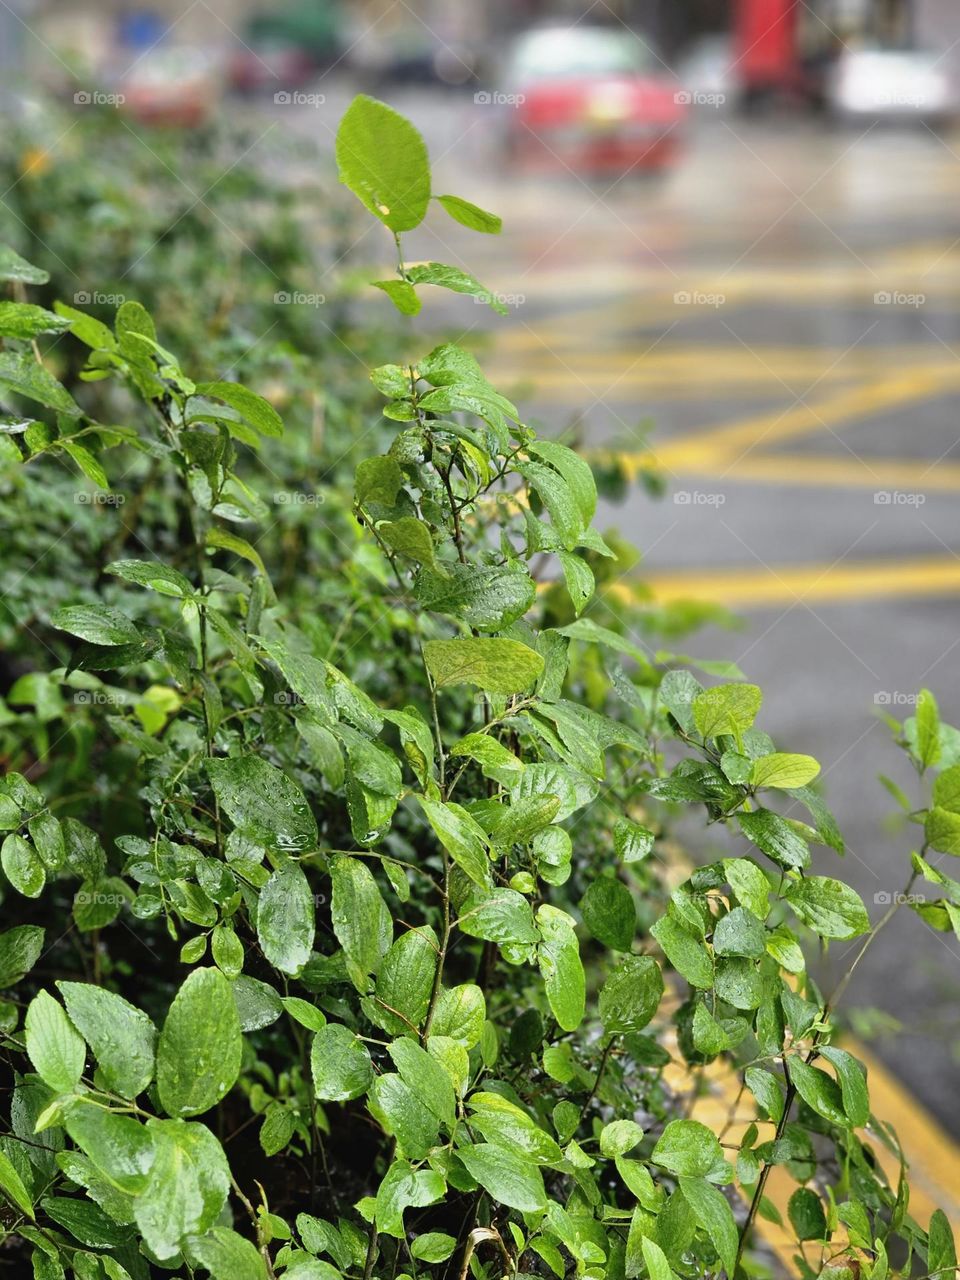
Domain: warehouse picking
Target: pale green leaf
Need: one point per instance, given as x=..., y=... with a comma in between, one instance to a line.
x=781, y=769
x=471, y=215
x=121, y=1037
x=383, y=160
x=285, y=919
x=493, y=664
x=200, y=1044
x=54, y=1045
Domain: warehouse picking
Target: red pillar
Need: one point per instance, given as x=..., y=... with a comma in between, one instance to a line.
x=765, y=44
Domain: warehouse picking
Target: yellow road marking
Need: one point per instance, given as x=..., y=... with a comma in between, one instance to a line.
x=803, y=419
x=719, y=358
x=819, y=471
x=800, y=362
x=847, y=581
x=728, y=446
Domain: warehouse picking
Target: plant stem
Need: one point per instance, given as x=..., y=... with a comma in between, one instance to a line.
x=371, y=1258
x=765, y=1171
x=444, y=943
x=600, y=1070
x=837, y=993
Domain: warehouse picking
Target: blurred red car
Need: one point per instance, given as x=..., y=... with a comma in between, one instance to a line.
x=593, y=99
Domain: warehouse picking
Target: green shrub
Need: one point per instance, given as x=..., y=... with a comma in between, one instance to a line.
x=405, y=910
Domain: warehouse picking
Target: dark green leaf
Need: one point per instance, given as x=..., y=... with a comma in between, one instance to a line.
x=20, y=372
x=715, y=1217
x=341, y=1065
x=806, y=1215
x=631, y=995
x=487, y=598
x=559, y=958
x=685, y=952
x=359, y=915
x=775, y=837
x=13, y=267
x=96, y=623
x=609, y=913
x=259, y=413
x=687, y=1147
x=509, y=1178
x=263, y=803
x=830, y=907
x=22, y=866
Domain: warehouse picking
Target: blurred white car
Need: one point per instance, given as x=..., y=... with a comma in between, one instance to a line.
x=894, y=84
x=707, y=71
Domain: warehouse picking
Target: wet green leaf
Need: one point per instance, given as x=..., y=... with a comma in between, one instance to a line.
x=198, y=1052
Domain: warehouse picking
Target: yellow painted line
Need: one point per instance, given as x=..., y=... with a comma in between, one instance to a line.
x=740, y=588
x=802, y=419
x=717, y=357
x=648, y=302
x=729, y=442
x=552, y=372
x=818, y=471
x=807, y=362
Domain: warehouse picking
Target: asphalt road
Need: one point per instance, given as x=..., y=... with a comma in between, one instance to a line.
x=779, y=312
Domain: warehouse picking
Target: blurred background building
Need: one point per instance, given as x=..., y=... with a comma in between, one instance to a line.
x=781, y=36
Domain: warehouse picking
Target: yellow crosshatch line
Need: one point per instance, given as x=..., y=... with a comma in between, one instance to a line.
x=739, y=450
x=817, y=471
x=731, y=359
x=823, y=414
x=840, y=582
